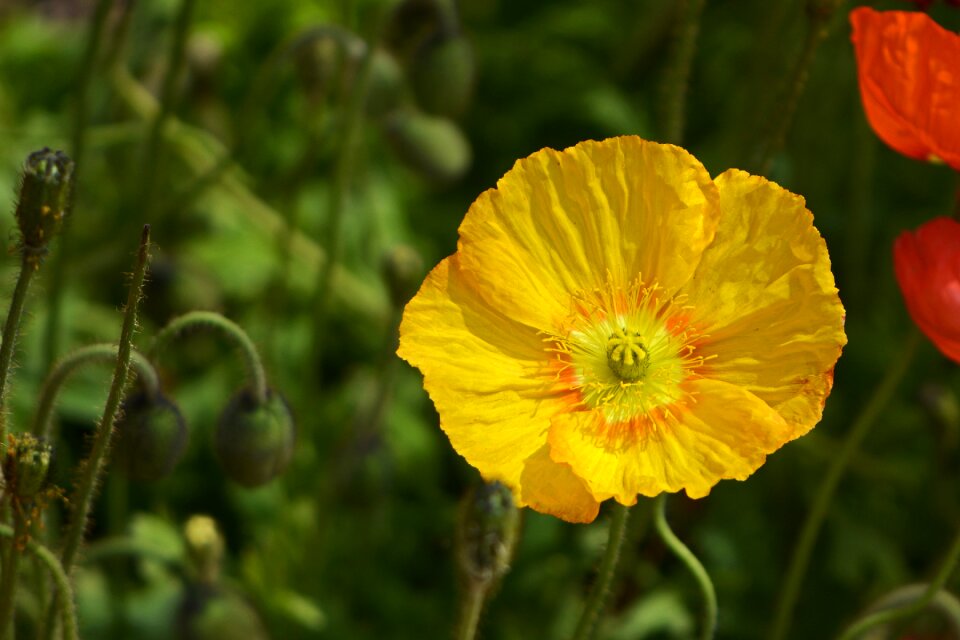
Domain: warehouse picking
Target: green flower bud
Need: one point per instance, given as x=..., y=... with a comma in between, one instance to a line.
x=443, y=74
x=402, y=269
x=411, y=22
x=386, y=86
x=254, y=441
x=25, y=466
x=211, y=612
x=151, y=437
x=44, y=197
x=489, y=521
x=434, y=147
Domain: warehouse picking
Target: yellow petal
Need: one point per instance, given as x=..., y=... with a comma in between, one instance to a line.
x=722, y=432
x=486, y=374
x=560, y=222
x=552, y=488
x=765, y=297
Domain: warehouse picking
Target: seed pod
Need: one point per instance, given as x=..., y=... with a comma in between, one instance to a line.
x=402, y=270
x=442, y=74
x=434, y=147
x=25, y=466
x=489, y=521
x=151, y=437
x=254, y=441
x=44, y=197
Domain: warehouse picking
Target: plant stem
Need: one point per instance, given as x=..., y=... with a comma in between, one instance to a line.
x=912, y=608
x=68, y=615
x=11, y=572
x=601, y=588
x=90, y=475
x=78, y=137
x=683, y=552
x=232, y=330
x=339, y=193
x=68, y=364
x=678, y=76
x=470, y=610
x=819, y=14
x=153, y=151
x=811, y=527
x=11, y=328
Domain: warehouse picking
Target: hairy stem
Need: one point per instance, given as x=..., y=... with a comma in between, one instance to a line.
x=601, y=588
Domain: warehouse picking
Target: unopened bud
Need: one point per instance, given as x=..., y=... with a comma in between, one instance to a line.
x=254, y=440
x=434, y=147
x=386, y=89
x=214, y=612
x=44, y=197
x=204, y=547
x=151, y=437
x=25, y=466
x=442, y=74
x=402, y=269
x=413, y=21
x=489, y=521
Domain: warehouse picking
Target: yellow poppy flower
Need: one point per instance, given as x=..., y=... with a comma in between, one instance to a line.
x=616, y=323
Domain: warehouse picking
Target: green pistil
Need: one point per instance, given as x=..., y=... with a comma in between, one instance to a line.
x=626, y=355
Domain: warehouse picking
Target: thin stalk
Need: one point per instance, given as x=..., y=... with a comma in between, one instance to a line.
x=67, y=365
x=709, y=626
x=601, y=588
x=92, y=467
x=339, y=194
x=68, y=615
x=231, y=330
x=11, y=328
x=678, y=76
x=153, y=151
x=819, y=12
x=78, y=137
x=912, y=608
x=470, y=610
x=11, y=573
x=800, y=560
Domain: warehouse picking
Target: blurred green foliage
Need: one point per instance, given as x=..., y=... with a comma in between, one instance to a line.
x=355, y=540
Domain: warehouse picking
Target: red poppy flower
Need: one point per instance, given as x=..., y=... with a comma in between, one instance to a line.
x=909, y=72
x=927, y=263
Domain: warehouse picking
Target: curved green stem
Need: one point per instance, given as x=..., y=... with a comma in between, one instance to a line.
x=67, y=365
x=470, y=610
x=90, y=475
x=228, y=328
x=28, y=265
x=678, y=78
x=683, y=552
x=68, y=615
x=811, y=527
x=914, y=607
x=11, y=573
x=820, y=12
x=601, y=588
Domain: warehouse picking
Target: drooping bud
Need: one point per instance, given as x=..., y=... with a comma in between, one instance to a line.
x=442, y=74
x=434, y=147
x=25, y=466
x=402, y=269
x=489, y=522
x=411, y=22
x=44, y=197
x=254, y=440
x=151, y=437
x=204, y=547
x=385, y=91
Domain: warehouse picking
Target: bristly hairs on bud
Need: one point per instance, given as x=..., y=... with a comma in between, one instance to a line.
x=487, y=535
x=46, y=188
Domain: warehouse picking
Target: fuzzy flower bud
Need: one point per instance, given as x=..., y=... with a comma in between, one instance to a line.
x=25, y=466
x=44, y=197
x=151, y=437
x=253, y=440
x=489, y=521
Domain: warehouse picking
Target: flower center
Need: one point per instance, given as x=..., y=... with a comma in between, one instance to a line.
x=626, y=354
